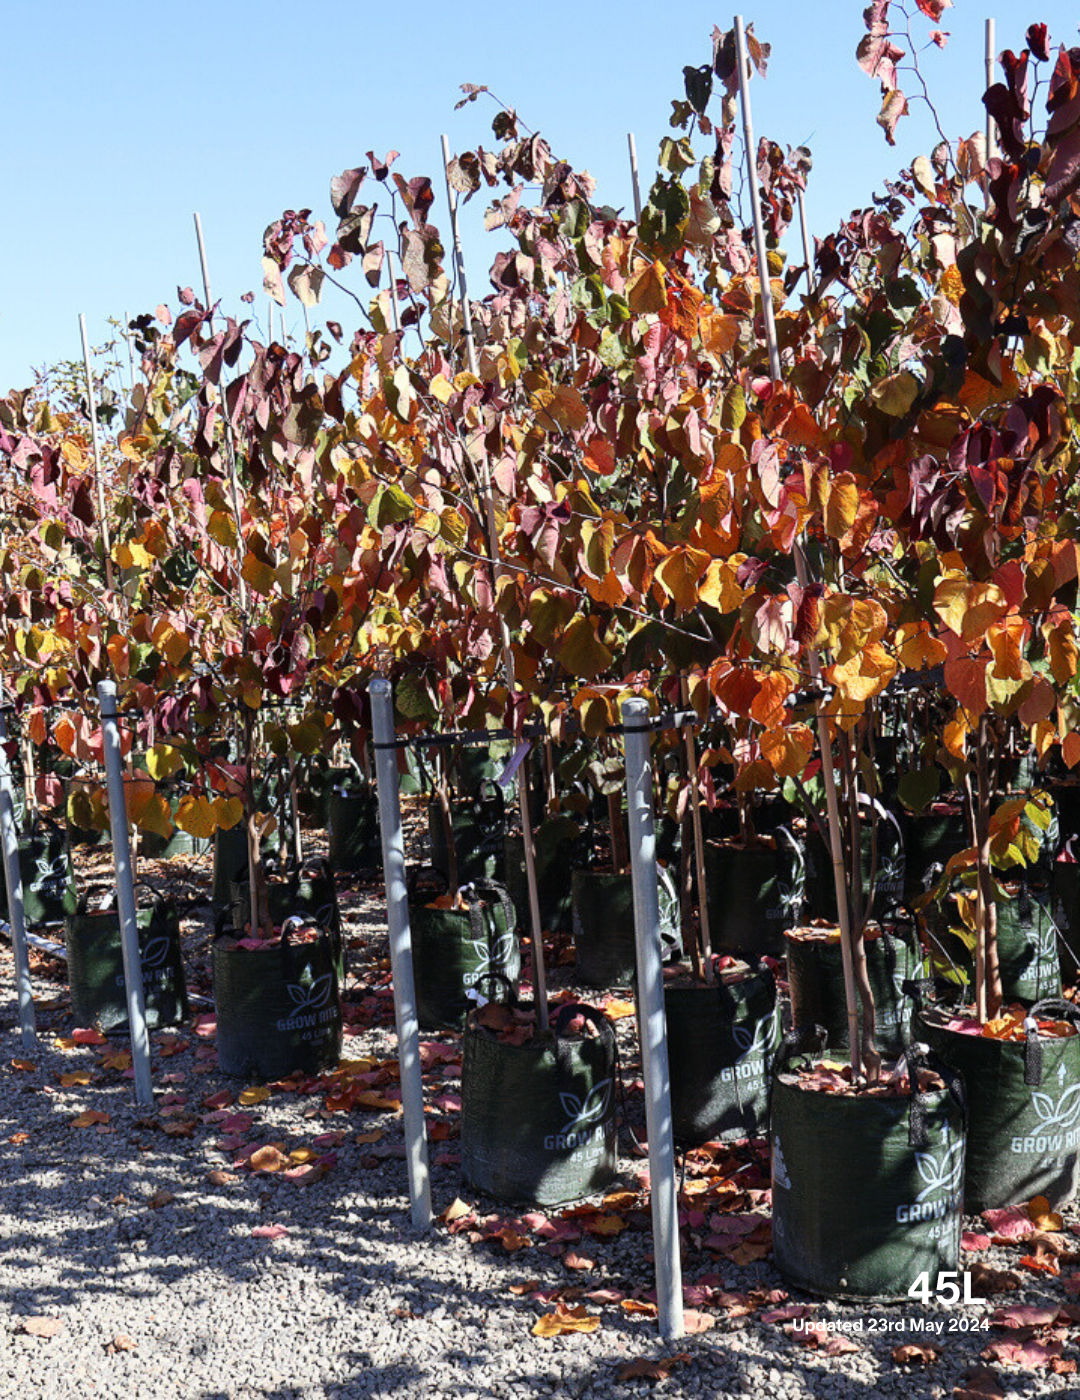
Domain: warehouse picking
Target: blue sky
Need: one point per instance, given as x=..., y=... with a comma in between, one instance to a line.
x=122, y=119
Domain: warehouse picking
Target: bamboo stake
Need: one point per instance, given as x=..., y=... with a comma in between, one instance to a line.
x=991, y=62
x=828, y=772
x=699, y=839
x=631, y=144
x=103, y=520
x=539, y=972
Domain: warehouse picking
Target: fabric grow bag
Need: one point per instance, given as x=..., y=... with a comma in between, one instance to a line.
x=96, y=968
x=1024, y=1108
x=754, y=893
x=930, y=839
x=454, y=949
x=353, y=828
x=309, y=892
x=48, y=878
x=816, y=977
x=721, y=1042
x=1027, y=944
x=479, y=827
x=866, y=1191
x=1065, y=910
x=891, y=866
x=602, y=908
x=558, y=843
x=230, y=862
x=538, y=1120
x=278, y=1011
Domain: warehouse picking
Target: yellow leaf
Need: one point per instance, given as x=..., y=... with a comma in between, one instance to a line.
x=260, y=576
x=678, y=574
x=645, y=291
x=719, y=588
x=150, y=812
x=228, y=811
x=565, y=1320
x=951, y=600
x=268, y=1159
x=172, y=644
x=163, y=760
x=788, y=750
x=247, y=1097
x=895, y=393
x=196, y=816
x=718, y=333
x=582, y=652
x=842, y=505
x=222, y=529
x=441, y=388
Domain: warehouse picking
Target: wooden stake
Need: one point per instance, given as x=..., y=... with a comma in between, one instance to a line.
x=634, y=181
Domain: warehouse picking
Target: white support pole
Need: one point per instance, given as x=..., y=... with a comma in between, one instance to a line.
x=91, y=402
x=125, y=894
x=9, y=838
x=397, y=916
x=650, y=988
x=635, y=183
x=828, y=774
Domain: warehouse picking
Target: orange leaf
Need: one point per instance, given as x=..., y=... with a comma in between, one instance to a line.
x=89, y=1118
x=267, y=1159
x=565, y=1320
x=1043, y=1217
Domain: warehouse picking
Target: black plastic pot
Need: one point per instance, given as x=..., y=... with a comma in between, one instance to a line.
x=479, y=827
x=230, y=863
x=96, y=968
x=1024, y=1109
x=278, y=1011
x=538, y=1120
x=313, y=790
x=816, y=977
x=603, y=917
x=754, y=893
x=866, y=1191
x=353, y=828
x=721, y=1041
x=454, y=949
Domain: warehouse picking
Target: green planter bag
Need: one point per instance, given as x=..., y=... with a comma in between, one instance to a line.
x=479, y=826
x=353, y=828
x=1027, y=943
x=816, y=977
x=891, y=867
x=48, y=879
x=1024, y=1108
x=96, y=968
x=1065, y=911
x=278, y=1011
x=721, y=1042
x=866, y=1192
x=455, y=949
x=603, y=918
x=930, y=839
x=309, y=893
x=538, y=1120
x=754, y=894
x=558, y=842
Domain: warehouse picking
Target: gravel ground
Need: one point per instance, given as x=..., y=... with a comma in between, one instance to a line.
x=129, y=1243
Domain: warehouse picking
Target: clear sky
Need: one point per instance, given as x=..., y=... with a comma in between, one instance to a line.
x=121, y=119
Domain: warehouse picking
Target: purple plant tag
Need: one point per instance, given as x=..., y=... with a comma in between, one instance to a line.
x=517, y=758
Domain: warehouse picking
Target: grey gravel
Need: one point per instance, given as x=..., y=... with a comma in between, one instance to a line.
x=351, y=1302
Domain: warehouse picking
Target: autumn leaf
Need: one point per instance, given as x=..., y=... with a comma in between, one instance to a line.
x=248, y=1097
x=910, y=1354
x=269, y=1232
x=267, y=1159
x=564, y=1321
x=160, y=1199
x=1042, y=1217
x=645, y=1370
x=896, y=393
x=121, y=1342
x=88, y=1119
x=41, y=1326
x=581, y=652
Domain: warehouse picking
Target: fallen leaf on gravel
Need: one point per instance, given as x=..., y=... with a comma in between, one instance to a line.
x=694, y=1321
x=1042, y=1216
x=816, y=1334
x=456, y=1210
x=27, y=1066
x=335, y=1139
x=41, y=1326
x=159, y=1199
x=17, y=1139
x=621, y=1200
x=1032, y=1354
x=909, y=1354
x=121, y=1342
x=786, y=1314
x=512, y=1241
x=376, y=1135
x=1023, y=1315
x=268, y=1232
x=973, y=1242
x=981, y=1383
x=267, y=1159
x=565, y=1320
x=573, y=1260
x=248, y=1097
x=637, y=1308
x=1040, y=1263
x=89, y=1118
x=118, y=1059
x=651, y=1370
x=985, y=1280
x=87, y=1036
x=220, y=1178
x=1010, y=1222
x=222, y=1099
x=616, y=1009
x=520, y=1289
x=606, y=1225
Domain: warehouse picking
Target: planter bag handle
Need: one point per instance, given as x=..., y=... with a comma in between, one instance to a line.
x=426, y=873
x=801, y=1040
x=726, y=997
x=920, y=1056
x=799, y=882
x=1061, y=1010
x=501, y=981
x=481, y=892
x=922, y=989
x=293, y=922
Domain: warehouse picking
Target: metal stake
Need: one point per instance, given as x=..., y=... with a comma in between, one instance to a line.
x=650, y=987
x=103, y=520
x=125, y=894
x=397, y=916
x=9, y=838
